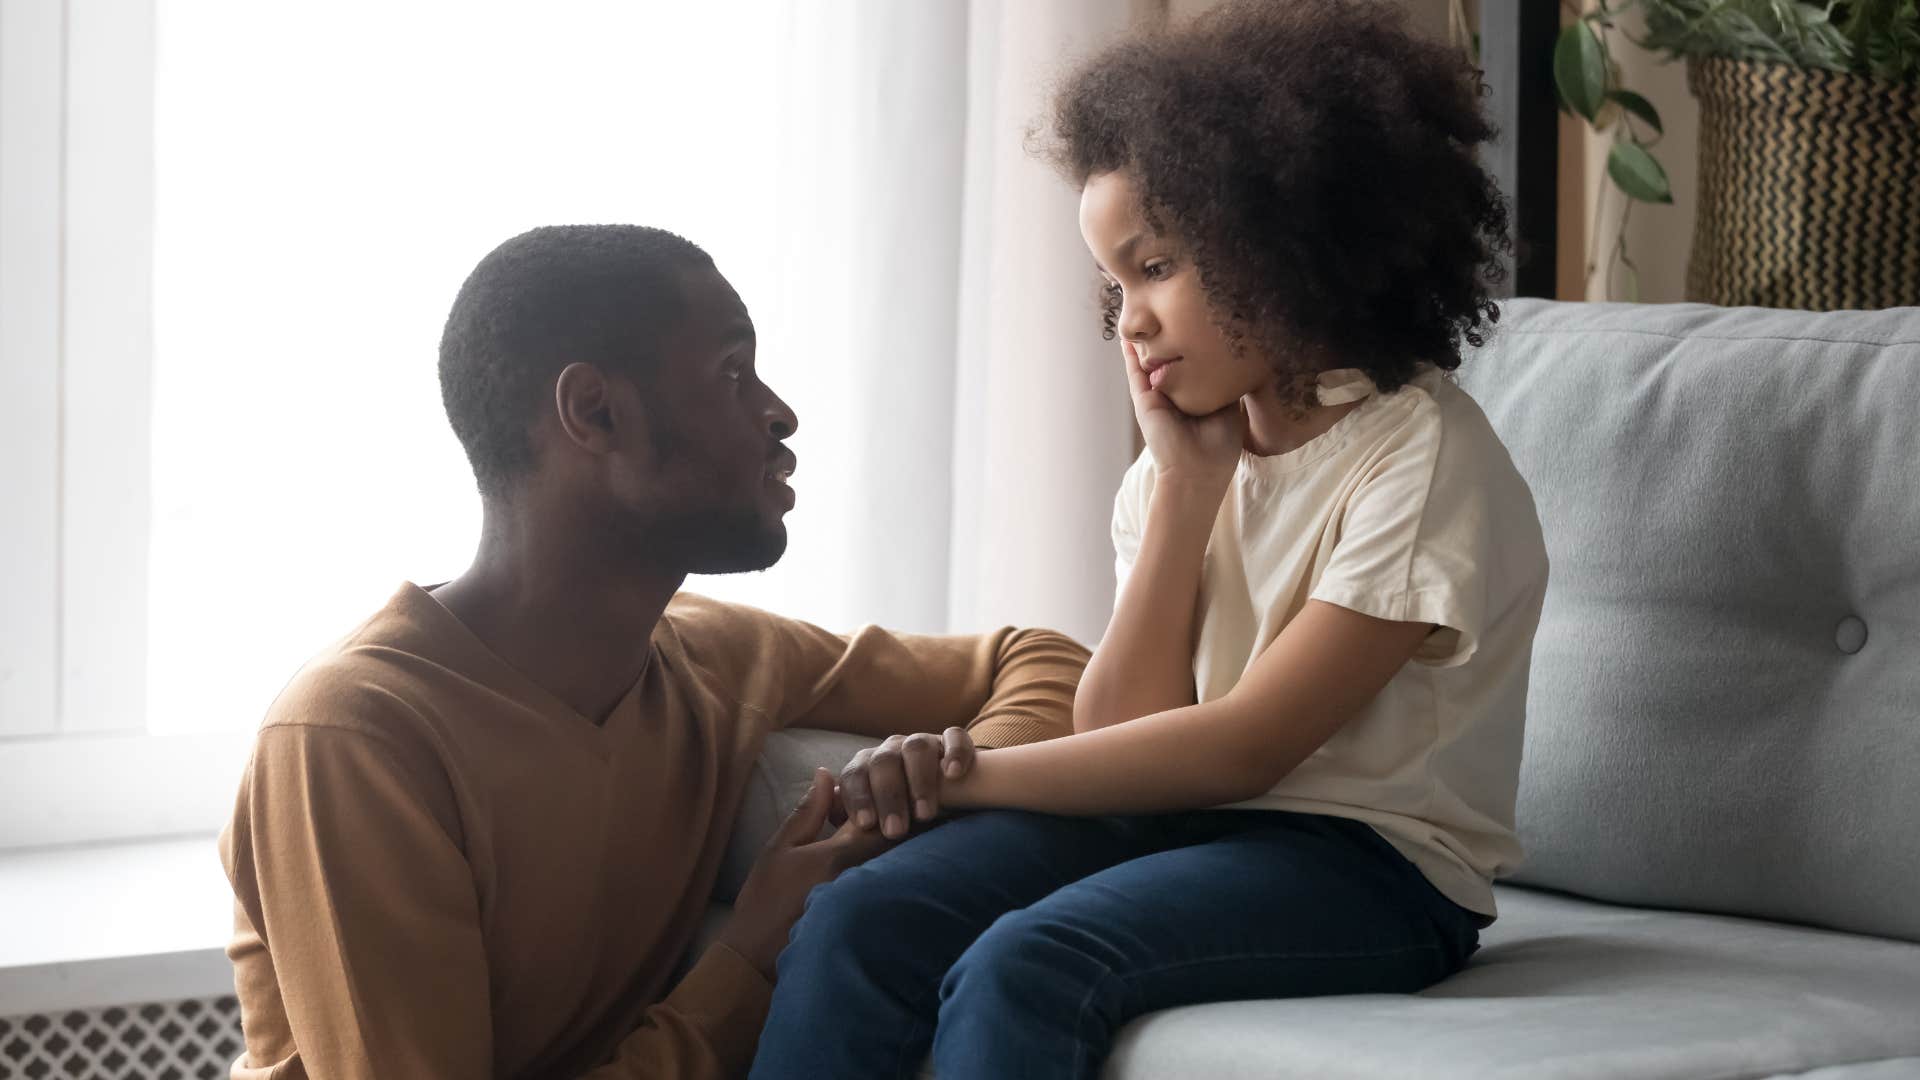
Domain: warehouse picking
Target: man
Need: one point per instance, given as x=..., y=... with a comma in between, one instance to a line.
x=477, y=835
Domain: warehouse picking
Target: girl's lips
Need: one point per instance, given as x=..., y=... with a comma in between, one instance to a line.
x=1157, y=371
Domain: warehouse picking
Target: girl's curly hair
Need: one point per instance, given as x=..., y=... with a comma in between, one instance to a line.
x=1319, y=162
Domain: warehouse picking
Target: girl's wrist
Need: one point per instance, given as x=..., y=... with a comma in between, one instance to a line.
x=1193, y=487
x=963, y=792
x=1184, y=511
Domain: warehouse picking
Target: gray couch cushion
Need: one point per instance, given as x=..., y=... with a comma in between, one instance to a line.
x=1730, y=498
x=1568, y=988
x=779, y=778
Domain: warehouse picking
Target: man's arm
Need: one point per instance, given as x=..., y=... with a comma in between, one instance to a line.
x=347, y=865
x=1006, y=687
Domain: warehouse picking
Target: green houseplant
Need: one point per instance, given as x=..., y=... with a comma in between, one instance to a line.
x=1763, y=69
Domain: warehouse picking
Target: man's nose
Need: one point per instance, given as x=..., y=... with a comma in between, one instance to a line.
x=778, y=418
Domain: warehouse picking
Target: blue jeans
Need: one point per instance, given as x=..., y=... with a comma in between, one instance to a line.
x=1017, y=944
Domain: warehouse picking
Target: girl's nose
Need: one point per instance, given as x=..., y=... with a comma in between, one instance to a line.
x=1137, y=323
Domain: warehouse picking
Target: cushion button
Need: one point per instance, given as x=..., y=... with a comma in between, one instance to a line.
x=1850, y=635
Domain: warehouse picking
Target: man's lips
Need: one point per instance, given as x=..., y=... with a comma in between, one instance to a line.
x=778, y=470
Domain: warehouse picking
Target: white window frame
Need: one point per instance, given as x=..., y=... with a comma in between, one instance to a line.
x=76, y=352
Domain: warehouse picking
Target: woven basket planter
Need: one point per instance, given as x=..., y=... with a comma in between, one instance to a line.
x=1809, y=188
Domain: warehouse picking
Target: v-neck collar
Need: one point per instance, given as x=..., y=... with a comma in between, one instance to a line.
x=442, y=636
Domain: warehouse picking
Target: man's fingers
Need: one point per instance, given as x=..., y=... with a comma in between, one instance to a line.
x=922, y=755
x=853, y=845
x=887, y=776
x=804, y=824
x=856, y=793
x=957, y=761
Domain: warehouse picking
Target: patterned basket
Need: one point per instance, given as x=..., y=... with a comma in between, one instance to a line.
x=1809, y=188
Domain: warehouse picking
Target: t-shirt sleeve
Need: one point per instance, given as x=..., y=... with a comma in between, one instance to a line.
x=1414, y=542
x=1130, y=518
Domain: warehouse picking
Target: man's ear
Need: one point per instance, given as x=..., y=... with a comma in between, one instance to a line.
x=583, y=401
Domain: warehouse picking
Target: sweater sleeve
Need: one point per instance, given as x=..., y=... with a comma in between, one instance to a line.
x=356, y=901
x=706, y=1029
x=1007, y=687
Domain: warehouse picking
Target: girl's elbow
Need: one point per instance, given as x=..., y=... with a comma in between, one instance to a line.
x=1092, y=709
x=1083, y=720
x=1250, y=780
x=1248, y=771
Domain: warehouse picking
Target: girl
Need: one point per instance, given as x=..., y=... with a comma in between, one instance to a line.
x=1298, y=744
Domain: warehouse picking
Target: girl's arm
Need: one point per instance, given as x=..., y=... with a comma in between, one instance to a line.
x=1321, y=671
x=1144, y=664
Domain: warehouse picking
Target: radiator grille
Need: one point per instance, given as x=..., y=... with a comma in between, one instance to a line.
x=195, y=1039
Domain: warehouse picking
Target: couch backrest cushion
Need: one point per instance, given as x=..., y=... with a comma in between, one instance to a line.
x=1724, y=712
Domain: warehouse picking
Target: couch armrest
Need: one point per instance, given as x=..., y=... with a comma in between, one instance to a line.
x=778, y=780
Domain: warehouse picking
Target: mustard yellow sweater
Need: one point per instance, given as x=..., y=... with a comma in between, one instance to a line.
x=442, y=871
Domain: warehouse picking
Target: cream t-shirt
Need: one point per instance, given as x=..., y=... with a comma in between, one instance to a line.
x=1409, y=508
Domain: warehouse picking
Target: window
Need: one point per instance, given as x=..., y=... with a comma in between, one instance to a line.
x=323, y=186
x=207, y=506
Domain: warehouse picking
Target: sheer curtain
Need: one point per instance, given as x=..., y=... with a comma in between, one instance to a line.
x=325, y=177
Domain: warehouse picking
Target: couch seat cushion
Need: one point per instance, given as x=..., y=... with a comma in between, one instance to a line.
x=1567, y=988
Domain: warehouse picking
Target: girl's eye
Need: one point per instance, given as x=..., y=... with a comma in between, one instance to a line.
x=1157, y=270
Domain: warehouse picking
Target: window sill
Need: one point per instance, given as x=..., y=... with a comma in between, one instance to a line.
x=86, y=927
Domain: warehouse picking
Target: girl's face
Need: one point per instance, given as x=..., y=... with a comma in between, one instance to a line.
x=1162, y=308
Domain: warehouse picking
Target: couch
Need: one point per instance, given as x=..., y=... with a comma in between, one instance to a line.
x=1721, y=791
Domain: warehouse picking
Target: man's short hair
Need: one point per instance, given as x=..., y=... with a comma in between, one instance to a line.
x=598, y=294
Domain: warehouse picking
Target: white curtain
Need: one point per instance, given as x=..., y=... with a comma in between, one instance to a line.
x=1044, y=426
x=988, y=425
x=326, y=177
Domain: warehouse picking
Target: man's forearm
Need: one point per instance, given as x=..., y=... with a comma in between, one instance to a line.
x=1144, y=664
x=704, y=1030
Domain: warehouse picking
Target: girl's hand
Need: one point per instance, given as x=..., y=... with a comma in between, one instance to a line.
x=1203, y=450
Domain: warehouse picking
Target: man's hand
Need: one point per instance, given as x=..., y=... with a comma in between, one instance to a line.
x=898, y=782
x=793, y=862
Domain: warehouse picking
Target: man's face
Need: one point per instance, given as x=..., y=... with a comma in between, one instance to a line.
x=1163, y=308
x=711, y=488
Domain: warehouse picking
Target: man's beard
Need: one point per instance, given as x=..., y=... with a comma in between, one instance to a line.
x=729, y=540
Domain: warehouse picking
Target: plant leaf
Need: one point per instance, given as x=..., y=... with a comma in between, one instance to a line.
x=1637, y=174
x=1580, y=70
x=1639, y=107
